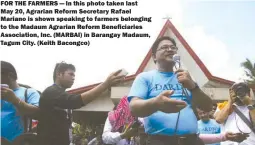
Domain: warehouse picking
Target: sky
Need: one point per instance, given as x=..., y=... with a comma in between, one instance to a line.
x=221, y=34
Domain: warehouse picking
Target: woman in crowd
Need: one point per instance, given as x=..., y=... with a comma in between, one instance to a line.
x=121, y=128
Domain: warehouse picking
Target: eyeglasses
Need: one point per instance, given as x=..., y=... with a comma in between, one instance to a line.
x=168, y=47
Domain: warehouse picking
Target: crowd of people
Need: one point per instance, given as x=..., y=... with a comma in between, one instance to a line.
x=164, y=107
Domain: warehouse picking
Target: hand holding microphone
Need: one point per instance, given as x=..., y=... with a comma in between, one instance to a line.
x=183, y=76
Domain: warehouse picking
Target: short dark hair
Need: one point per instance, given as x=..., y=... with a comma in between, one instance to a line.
x=156, y=43
x=241, y=84
x=7, y=67
x=61, y=68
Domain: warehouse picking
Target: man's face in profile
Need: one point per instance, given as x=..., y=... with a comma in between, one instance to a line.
x=67, y=78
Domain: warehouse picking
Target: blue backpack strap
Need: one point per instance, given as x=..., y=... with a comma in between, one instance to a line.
x=26, y=98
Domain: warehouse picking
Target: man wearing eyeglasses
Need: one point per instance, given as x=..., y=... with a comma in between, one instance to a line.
x=159, y=97
x=231, y=122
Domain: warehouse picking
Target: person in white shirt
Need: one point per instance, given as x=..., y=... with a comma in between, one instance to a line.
x=229, y=119
x=115, y=130
x=119, y=138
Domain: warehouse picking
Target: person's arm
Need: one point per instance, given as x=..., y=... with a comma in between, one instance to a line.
x=201, y=100
x=216, y=138
x=22, y=107
x=222, y=115
x=92, y=94
x=143, y=108
x=247, y=100
x=252, y=113
x=108, y=136
x=57, y=97
x=212, y=138
x=31, y=106
x=140, y=106
x=25, y=108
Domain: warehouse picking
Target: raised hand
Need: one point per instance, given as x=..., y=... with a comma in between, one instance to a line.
x=114, y=78
x=232, y=96
x=236, y=137
x=129, y=132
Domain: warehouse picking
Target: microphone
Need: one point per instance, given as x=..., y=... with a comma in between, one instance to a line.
x=177, y=60
x=176, y=57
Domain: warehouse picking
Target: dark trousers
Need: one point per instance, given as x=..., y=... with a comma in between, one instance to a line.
x=174, y=140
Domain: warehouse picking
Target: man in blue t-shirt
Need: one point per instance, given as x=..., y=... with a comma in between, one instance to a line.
x=13, y=104
x=157, y=96
x=207, y=125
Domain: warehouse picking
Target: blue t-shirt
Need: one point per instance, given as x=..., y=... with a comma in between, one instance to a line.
x=11, y=121
x=150, y=84
x=209, y=127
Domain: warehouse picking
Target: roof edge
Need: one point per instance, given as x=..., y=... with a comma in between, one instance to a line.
x=169, y=25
